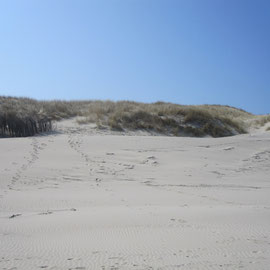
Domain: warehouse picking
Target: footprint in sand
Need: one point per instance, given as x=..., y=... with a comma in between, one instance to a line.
x=152, y=160
x=30, y=160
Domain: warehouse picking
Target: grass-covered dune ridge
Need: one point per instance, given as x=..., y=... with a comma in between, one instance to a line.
x=167, y=118
x=26, y=117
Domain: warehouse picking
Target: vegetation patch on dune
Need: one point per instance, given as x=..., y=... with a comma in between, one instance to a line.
x=26, y=117
x=22, y=118
x=167, y=118
x=263, y=120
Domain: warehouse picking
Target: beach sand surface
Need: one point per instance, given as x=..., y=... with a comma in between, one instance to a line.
x=79, y=199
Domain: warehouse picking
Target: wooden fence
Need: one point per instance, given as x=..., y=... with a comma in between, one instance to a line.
x=14, y=126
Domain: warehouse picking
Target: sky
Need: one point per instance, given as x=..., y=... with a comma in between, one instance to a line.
x=179, y=51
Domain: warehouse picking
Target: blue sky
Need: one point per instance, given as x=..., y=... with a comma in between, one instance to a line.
x=181, y=51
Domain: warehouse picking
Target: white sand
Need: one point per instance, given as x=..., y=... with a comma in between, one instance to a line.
x=77, y=200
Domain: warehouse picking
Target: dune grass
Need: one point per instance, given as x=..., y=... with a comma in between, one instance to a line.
x=168, y=119
x=32, y=117
x=263, y=120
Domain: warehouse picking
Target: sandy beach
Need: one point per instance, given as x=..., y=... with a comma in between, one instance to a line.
x=78, y=199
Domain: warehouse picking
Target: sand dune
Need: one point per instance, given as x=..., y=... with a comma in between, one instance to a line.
x=81, y=200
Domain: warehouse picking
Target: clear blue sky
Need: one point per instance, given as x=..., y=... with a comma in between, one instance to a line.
x=181, y=51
